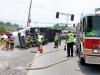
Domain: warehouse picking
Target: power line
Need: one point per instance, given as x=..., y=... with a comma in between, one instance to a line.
x=31, y=22
x=26, y=21
x=36, y=6
x=50, y=9
x=45, y=8
x=12, y=20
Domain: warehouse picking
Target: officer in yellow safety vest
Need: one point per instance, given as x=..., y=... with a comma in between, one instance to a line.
x=56, y=39
x=40, y=40
x=91, y=33
x=70, y=42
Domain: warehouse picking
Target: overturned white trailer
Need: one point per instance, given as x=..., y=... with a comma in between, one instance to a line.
x=20, y=36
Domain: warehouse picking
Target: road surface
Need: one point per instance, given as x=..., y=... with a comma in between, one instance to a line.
x=70, y=67
x=14, y=63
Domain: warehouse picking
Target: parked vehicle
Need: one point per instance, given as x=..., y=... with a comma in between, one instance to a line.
x=8, y=33
x=88, y=46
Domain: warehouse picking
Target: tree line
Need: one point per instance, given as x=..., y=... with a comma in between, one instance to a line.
x=8, y=27
x=58, y=27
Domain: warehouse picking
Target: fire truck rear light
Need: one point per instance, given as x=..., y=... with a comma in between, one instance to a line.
x=95, y=51
x=96, y=46
x=99, y=46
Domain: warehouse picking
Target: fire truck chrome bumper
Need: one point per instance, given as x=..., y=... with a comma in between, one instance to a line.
x=92, y=60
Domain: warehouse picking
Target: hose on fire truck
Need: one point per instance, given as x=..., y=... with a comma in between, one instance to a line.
x=30, y=68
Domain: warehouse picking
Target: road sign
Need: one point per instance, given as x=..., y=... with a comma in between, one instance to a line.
x=62, y=24
x=66, y=14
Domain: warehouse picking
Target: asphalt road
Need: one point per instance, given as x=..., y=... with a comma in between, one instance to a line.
x=14, y=63
x=69, y=67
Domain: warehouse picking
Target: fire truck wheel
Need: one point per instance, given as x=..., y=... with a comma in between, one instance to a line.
x=82, y=61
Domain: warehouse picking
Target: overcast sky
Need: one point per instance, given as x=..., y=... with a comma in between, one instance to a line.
x=16, y=11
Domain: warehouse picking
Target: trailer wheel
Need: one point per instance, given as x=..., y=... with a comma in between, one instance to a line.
x=34, y=45
x=82, y=61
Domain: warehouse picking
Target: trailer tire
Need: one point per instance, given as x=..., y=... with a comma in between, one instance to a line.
x=34, y=45
x=82, y=61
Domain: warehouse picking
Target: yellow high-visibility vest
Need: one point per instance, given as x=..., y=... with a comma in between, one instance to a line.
x=70, y=38
x=40, y=38
x=56, y=38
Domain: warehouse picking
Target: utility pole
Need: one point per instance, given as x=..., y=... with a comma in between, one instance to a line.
x=67, y=22
x=29, y=14
x=35, y=23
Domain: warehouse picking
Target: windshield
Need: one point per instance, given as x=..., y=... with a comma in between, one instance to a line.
x=93, y=26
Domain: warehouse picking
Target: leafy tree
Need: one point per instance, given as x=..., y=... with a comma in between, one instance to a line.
x=11, y=28
x=49, y=27
x=56, y=26
x=2, y=29
x=8, y=24
x=2, y=23
x=15, y=24
x=63, y=27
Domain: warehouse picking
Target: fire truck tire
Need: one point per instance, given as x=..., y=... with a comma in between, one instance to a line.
x=82, y=61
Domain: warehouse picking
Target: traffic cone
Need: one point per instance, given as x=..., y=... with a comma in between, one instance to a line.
x=64, y=47
x=41, y=49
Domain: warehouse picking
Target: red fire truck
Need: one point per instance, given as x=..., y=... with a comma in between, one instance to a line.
x=88, y=39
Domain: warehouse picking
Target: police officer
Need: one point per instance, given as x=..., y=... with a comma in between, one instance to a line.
x=56, y=39
x=59, y=41
x=91, y=33
x=40, y=40
x=28, y=41
x=69, y=42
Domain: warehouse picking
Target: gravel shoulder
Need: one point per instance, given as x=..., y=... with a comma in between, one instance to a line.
x=14, y=62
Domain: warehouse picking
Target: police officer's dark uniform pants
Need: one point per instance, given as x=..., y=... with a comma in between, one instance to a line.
x=59, y=42
x=70, y=48
x=39, y=43
x=56, y=44
x=12, y=46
